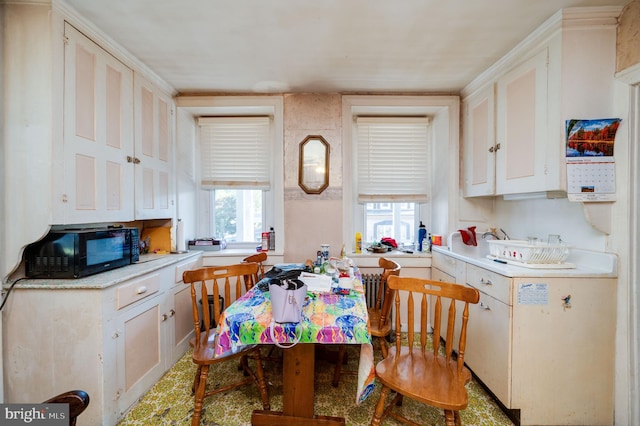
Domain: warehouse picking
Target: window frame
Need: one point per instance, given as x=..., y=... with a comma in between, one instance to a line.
x=444, y=112
x=273, y=199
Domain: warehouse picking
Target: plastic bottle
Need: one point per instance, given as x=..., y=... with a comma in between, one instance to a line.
x=272, y=239
x=358, y=242
x=422, y=234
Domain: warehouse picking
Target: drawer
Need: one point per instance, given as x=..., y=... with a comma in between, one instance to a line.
x=185, y=266
x=495, y=285
x=137, y=290
x=446, y=264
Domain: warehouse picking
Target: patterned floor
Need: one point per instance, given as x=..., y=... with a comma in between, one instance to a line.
x=170, y=402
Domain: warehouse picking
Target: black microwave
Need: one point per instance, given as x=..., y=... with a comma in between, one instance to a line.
x=75, y=253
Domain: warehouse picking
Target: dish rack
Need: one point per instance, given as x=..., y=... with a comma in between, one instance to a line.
x=523, y=252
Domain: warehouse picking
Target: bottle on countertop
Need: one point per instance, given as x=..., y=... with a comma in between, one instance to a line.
x=422, y=234
x=272, y=239
x=358, y=248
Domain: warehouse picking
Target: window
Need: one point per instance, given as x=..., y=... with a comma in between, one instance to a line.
x=392, y=158
x=237, y=215
x=234, y=159
x=396, y=220
x=235, y=174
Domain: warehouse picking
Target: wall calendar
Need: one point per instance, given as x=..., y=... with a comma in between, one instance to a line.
x=590, y=161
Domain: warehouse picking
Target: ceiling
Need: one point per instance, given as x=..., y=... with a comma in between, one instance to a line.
x=363, y=46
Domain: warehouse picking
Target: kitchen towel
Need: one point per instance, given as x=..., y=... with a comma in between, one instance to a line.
x=469, y=236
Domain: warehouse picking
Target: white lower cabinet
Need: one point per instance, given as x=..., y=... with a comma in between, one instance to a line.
x=114, y=342
x=544, y=346
x=551, y=360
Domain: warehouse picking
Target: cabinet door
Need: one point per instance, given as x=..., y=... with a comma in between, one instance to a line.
x=140, y=340
x=153, y=152
x=182, y=328
x=98, y=135
x=479, y=144
x=521, y=128
x=180, y=314
x=489, y=345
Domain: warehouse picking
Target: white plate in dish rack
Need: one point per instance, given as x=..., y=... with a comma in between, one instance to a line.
x=534, y=265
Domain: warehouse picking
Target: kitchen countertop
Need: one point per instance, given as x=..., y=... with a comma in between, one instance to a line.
x=148, y=263
x=588, y=264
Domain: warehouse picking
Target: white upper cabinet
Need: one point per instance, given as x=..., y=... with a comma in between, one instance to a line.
x=154, y=118
x=479, y=143
x=97, y=135
x=117, y=161
x=514, y=113
x=521, y=130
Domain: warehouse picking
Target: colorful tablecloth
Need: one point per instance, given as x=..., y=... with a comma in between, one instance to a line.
x=328, y=318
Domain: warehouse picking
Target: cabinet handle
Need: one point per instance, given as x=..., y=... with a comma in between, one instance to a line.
x=142, y=290
x=487, y=282
x=164, y=317
x=494, y=148
x=115, y=334
x=129, y=159
x=172, y=313
x=136, y=160
x=484, y=307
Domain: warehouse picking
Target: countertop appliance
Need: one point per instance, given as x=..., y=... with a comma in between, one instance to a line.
x=74, y=253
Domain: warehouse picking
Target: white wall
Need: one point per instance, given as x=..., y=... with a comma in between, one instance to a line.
x=186, y=186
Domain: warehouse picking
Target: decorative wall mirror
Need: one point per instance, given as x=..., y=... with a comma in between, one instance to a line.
x=313, y=167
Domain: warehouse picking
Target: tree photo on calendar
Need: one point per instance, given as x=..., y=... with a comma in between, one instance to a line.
x=591, y=138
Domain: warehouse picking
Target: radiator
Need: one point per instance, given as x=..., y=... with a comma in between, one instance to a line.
x=371, y=283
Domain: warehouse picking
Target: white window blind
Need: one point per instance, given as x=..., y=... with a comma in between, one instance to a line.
x=235, y=152
x=393, y=158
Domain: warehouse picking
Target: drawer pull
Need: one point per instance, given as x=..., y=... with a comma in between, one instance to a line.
x=142, y=289
x=484, y=307
x=487, y=282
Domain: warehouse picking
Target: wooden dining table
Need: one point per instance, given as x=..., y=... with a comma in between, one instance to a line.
x=329, y=318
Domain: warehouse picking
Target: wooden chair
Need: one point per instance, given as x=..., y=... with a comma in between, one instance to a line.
x=215, y=280
x=78, y=401
x=258, y=258
x=417, y=372
x=379, y=321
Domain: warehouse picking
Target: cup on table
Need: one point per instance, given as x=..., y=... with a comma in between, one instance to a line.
x=345, y=282
x=324, y=250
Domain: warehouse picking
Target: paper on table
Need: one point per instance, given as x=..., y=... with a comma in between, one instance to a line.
x=316, y=283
